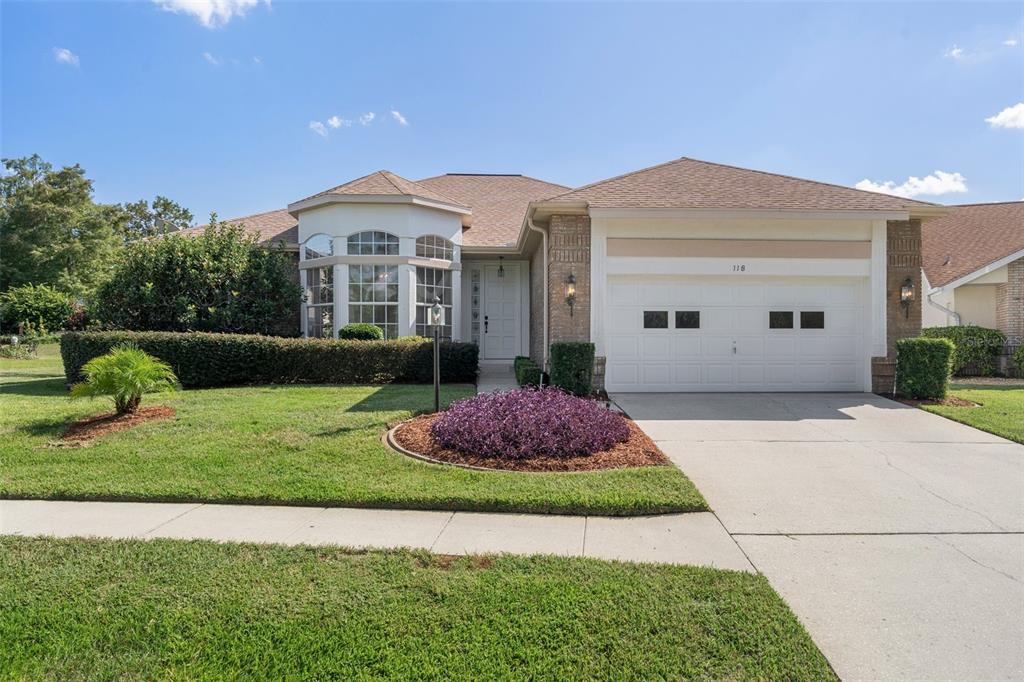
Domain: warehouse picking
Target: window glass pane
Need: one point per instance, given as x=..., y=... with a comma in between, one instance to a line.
x=780, y=319
x=655, y=319
x=373, y=242
x=433, y=246
x=687, y=319
x=318, y=246
x=320, y=323
x=812, y=319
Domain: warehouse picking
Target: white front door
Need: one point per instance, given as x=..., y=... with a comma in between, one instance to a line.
x=502, y=312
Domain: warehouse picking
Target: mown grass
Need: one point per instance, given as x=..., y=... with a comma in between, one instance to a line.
x=302, y=445
x=1000, y=411
x=168, y=609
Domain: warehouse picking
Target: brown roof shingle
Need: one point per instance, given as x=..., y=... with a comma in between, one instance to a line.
x=270, y=227
x=387, y=183
x=970, y=237
x=689, y=183
x=498, y=203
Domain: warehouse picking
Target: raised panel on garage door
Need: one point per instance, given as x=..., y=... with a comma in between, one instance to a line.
x=733, y=349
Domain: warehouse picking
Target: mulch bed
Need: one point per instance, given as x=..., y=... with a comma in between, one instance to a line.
x=639, y=451
x=84, y=431
x=950, y=401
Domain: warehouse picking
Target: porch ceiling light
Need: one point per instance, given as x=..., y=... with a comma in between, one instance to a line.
x=570, y=292
x=907, y=295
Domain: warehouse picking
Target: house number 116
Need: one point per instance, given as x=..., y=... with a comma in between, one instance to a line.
x=739, y=268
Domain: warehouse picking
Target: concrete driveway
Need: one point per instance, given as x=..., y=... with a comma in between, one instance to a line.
x=897, y=536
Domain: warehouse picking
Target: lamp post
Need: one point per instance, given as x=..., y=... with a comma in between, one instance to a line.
x=436, y=320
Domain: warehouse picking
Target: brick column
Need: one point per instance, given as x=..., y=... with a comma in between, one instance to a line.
x=903, y=253
x=1010, y=304
x=568, y=253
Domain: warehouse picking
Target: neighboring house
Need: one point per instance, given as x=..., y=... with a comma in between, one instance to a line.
x=973, y=261
x=687, y=276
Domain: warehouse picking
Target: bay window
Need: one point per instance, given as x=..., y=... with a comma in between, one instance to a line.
x=431, y=283
x=373, y=296
x=320, y=302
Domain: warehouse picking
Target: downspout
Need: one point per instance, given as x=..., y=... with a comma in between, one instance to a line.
x=955, y=315
x=544, y=254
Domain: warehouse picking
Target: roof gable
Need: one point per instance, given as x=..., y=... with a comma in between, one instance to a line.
x=970, y=237
x=690, y=183
x=386, y=183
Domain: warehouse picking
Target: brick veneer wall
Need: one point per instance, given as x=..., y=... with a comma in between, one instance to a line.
x=903, y=254
x=1010, y=304
x=568, y=253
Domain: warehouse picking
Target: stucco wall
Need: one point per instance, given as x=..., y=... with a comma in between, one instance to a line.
x=976, y=304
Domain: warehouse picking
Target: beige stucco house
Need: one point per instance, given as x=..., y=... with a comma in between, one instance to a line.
x=973, y=260
x=687, y=276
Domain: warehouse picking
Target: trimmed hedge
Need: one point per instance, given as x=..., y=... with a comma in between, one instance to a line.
x=527, y=371
x=1018, y=361
x=361, y=331
x=572, y=367
x=923, y=367
x=203, y=360
x=977, y=346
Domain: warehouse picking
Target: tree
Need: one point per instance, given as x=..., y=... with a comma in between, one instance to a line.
x=51, y=231
x=163, y=217
x=217, y=281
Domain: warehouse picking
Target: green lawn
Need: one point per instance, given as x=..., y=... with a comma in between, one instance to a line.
x=1001, y=411
x=168, y=609
x=313, y=445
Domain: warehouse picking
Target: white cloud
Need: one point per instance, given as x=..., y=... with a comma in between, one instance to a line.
x=935, y=184
x=955, y=52
x=397, y=115
x=210, y=59
x=1010, y=117
x=210, y=13
x=367, y=118
x=257, y=60
x=318, y=128
x=337, y=122
x=1011, y=42
x=65, y=56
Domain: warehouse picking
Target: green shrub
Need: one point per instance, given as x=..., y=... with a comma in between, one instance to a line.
x=1018, y=361
x=41, y=308
x=527, y=371
x=923, y=367
x=221, y=280
x=572, y=367
x=361, y=331
x=124, y=375
x=204, y=360
x=21, y=351
x=977, y=346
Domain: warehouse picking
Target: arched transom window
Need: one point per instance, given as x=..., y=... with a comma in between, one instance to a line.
x=373, y=243
x=318, y=246
x=432, y=246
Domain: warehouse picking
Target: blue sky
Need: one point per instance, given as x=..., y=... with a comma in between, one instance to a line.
x=215, y=111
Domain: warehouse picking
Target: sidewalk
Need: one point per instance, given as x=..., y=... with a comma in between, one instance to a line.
x=697, y=538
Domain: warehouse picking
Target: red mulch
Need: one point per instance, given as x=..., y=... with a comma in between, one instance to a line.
x=639, y=451
x=949, y=401
x=84, y=431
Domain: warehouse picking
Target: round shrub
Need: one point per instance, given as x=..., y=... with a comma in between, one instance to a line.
x=361, y=331
x=42, y=307
x=527, y=423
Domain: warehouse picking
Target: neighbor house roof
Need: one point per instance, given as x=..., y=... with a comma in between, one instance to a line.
x=689, y=183
x=386, y=183
x=270, y=227
x=970, y=237
x=498, y=203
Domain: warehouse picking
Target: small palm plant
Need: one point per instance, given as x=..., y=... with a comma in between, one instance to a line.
x=125, y=374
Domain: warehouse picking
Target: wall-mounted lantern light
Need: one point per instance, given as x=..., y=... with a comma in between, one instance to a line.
x=501, y=266
x=570, y=292
x=907, y=296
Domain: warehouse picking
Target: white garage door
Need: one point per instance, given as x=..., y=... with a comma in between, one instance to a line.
x=731, y=334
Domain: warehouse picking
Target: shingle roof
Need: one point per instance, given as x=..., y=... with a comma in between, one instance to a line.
x=970, y=237
x=498, y=203
x=386, y=183
x=270, y=227
x=689, y=183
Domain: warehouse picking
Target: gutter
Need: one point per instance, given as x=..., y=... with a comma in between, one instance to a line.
x=955, y=315
x=544, y=246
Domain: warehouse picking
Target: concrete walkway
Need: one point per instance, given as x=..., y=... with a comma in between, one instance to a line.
x=495, y=378
x=673, y=539
x=897, y=536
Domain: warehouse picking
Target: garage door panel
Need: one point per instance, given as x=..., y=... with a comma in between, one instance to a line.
x=733, y=348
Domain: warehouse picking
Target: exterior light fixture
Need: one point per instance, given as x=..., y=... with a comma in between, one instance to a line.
x=501, y=266
x=570, y=292
x=907, y=296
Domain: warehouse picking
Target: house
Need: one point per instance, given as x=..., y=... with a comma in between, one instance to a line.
x=973, y=260
x=687, y=276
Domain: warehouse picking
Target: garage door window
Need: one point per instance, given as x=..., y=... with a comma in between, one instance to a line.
x=780, y=319
x=655, y=319
x=687, y=319
x=812, y=319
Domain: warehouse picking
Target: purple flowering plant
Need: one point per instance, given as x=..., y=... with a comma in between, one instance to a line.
x=529, y=422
